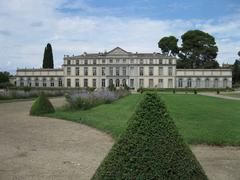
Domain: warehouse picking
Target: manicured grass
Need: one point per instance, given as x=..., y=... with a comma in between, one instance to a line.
x=200, y=119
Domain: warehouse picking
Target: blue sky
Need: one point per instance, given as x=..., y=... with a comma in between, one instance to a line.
x=75, y=26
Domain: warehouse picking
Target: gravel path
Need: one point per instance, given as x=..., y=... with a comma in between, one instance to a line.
x=46, y=148
x=219, y=96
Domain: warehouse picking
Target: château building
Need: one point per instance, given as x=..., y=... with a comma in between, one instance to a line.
x=119, y=67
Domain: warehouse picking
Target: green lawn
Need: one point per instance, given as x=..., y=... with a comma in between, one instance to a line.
x=200, y=119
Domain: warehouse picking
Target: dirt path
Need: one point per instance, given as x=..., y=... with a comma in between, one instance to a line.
x=46, y=148
x=219, y=96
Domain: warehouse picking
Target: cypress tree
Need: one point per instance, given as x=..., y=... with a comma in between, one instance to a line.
x=150, y=148
x=48, y=57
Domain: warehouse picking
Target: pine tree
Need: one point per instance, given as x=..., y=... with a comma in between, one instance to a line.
x=48, y=57
x=150, y=148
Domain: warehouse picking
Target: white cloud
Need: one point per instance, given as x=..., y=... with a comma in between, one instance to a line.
x=27, y=26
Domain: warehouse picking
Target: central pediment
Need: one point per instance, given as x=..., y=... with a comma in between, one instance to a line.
x=118, y=51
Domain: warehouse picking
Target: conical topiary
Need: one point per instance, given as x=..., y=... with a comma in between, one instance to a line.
x=150, y=148
x=41, y=106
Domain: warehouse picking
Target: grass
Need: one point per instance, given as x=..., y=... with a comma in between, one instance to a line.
x=200, y=119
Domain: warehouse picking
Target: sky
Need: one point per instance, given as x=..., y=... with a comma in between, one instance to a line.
x=76, y=26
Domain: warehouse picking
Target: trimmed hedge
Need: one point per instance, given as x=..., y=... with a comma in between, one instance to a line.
x=42, y=106
x=184, y=89
x=150, y=148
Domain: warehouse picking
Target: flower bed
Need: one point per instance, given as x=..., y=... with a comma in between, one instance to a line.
x=85, y=100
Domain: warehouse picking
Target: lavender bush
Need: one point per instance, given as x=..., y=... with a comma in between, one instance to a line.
x=86, y=100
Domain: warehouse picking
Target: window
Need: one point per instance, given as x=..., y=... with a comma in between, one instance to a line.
x=36, y=82
x=132, y=70
x=94, y=83
x=68, y=82
x=180, y=83
x=29, y=82
x=103, y=83
x=124, y=82
x=21, y=82
x=151, y=61
x=150, y=71
x=198, y=83
x=132, y=61
x=110, y=82
x=52, y=82
x=141, y=83
x=141, y=61
x=160, y=61
x=117, y=60
x=94, y=71
x=77, y=71
x=150, y=83
x=170, y=83
x=225, y=83
x=207, y=83
x=111, y=71
x=69, y=71
x=68, y=62
x=141, y=71
x=124, y=71
x=76, y=82
x=215, y=85
x=189, y=83
x=44, y=82
x=85, y=61
x=170, y=61
x=94, y=61
x=117, y=71
x=160, y=71
x=60, y=82
x=110, y=61
x=170, y=71
x=85, y=83
x=85, y=71
x=103, y=71
x=160, y=83
x=117, y=83
x=103, y=61
x=77, y=62
x=124, y=60
x=132, y=83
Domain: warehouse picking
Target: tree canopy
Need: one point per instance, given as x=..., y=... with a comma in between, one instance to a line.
x=4, y=77
x=236, y=71
x=48, y=57
x=198, y=49
x=169, y=45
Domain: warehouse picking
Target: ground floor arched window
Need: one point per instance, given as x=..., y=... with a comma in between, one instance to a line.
x=207, y=83
x=110, y=81
x=117, y=83
x=225, y=83
x=124, y=82
x=189, y=83
x=215, y=84
x=198, y=83
x=180, y=83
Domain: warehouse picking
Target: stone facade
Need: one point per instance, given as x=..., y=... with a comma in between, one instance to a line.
x=147, y=70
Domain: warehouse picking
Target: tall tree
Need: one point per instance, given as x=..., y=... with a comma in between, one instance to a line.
x=236, y=71
x=48, y=57
x=199, y=50
x=169, y=45
x=4, y=77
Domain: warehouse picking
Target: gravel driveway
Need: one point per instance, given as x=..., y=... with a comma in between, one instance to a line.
x=47, y=148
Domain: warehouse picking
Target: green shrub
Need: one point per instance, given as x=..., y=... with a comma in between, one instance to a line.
x=42, y=106
x=150, y=148
x=111, y=87
x=195, y=91
x=174, y=91
x=218, y=91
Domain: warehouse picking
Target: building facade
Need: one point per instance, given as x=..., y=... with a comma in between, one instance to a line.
x=120, y=68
